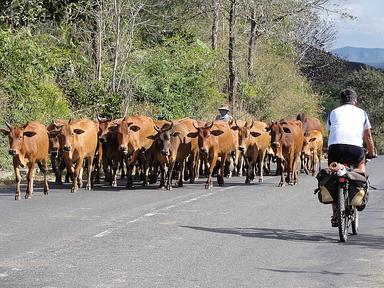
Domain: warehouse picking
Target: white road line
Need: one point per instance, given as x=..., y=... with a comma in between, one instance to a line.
x=102, y=234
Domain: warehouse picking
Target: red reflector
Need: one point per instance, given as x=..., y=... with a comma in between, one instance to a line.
x=341, y=179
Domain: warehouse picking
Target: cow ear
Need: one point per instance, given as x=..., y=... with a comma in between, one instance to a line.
x=175, y=134
x=4, y=131
x=217, y=132
x=312, y=139
x=192, y=134
x=79, y=131
x=152, y=137
x=134, y=128
x=29, y=133
x=286, y=130
x=255, y=134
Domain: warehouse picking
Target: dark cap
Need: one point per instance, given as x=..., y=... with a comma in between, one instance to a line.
x=348, y=96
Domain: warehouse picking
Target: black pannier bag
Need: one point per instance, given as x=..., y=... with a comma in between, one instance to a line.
x=327, y=186
x=358, y=189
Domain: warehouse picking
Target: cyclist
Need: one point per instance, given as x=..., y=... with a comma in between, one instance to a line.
x=348, y=127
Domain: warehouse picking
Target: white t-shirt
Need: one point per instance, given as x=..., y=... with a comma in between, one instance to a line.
x=346, y=125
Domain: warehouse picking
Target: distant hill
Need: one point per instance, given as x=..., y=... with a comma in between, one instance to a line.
x=370, y=56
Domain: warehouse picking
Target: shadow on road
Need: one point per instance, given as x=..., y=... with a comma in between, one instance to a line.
x=364, y=240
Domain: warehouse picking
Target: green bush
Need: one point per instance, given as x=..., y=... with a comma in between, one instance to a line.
x=277, y=89
x=179, y=77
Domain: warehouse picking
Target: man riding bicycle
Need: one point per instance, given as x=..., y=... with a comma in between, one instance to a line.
x=348, y=126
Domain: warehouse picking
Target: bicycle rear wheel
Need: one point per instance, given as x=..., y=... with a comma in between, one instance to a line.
x=342, y=216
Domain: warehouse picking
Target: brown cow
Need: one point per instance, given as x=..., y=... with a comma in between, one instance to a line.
x=78, y=140
x=172, y=146
x=215, y=140
x=287, y=139
x=253, y=141
x=28, y=145
x=56, y=154
x=134, y=137
x=112, y=155
x=312, y=150
x=310, y=123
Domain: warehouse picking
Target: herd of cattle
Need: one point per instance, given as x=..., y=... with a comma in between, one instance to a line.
x=181, y=149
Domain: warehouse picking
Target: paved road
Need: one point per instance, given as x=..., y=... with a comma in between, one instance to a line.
x=238, y=235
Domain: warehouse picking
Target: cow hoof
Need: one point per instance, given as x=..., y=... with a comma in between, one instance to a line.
x=46, y=192
x=261, y=180
x=73, y=190
x=114, y=184
x=88, y=187
x=169, y=187
x=281, y=184
x=247, y=181
x=18, y=197
x=27, y=196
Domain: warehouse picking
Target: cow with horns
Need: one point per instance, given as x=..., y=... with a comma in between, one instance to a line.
x=28, y=145
x=253, y=142
x=215, y=141
x=78, y=141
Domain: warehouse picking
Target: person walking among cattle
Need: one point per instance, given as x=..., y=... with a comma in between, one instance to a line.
x=224, y=114
x=348, y=127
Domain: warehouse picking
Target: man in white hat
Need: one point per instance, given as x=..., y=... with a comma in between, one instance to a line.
x=224, y=114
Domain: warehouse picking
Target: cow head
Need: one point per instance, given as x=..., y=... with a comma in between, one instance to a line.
x=67, y=134
x=205, y=135
x=277, y=130
x=163, y=138
x=16, y=138
x=106, y=126
x=244, y=133
x=128, y=137
x=308, y=144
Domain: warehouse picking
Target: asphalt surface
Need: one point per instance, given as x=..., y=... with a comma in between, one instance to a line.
x=257, y=235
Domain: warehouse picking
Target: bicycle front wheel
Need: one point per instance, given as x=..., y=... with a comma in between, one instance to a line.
x=342, y=216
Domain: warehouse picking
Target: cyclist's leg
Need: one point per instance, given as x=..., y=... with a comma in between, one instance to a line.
x=334, y=156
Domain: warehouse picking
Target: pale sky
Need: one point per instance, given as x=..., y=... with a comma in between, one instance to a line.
x=367, y=30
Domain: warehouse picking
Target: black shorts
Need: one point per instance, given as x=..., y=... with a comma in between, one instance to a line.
x=345, y=154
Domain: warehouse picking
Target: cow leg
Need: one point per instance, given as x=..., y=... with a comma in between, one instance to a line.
x=56, y=169
x=114, y=168
x=314, y=163
x=168, y=186
x=319, y=159
x=261, y=157
x=248, y=170
x=181, y=174
x=76, y=173
x=212, y=164
x=220, y=174
x=44, y=169
x=18, y=180
x=162, y=175
x=290, y=170
x=89, y=185
x=80, y=177
x=30, y=174
x=280, y=166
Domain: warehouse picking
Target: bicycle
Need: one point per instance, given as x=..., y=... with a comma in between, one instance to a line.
x=347, y=214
